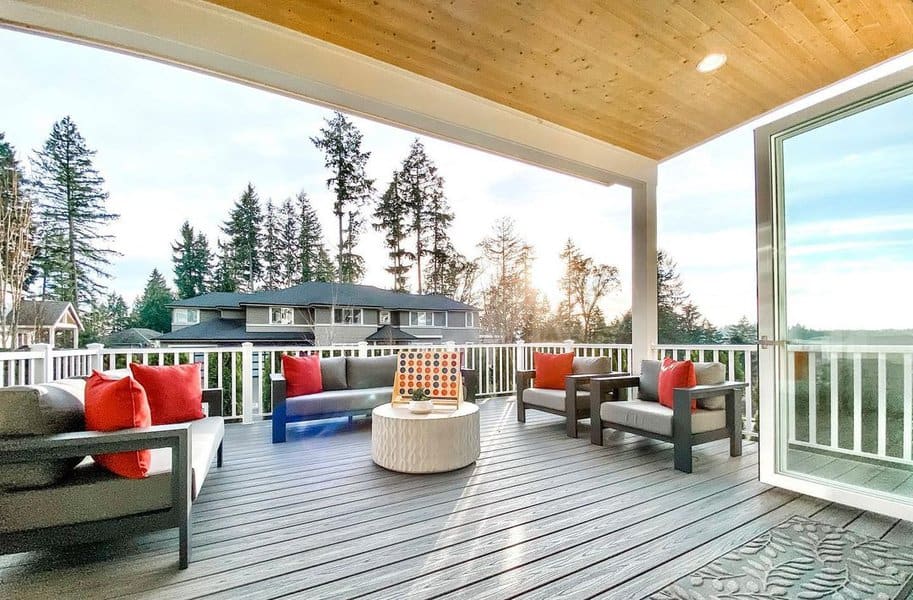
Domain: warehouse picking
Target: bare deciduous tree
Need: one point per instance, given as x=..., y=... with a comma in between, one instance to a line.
x=16, y=251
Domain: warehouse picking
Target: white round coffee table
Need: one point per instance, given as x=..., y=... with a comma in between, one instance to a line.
x=444, y=440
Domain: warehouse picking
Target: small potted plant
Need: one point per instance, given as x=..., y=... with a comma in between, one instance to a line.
x=421, y=401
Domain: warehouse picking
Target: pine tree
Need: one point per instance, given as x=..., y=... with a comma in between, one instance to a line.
x=310, y=243
x=243, y=230
x=151, y=309
x=390, y=217
x=272, y=248
x=118, y=312
x=288, y=242
x=340, y=142
x=71, y=218
x=192, y=262
x=326, y=268
x=225, y=279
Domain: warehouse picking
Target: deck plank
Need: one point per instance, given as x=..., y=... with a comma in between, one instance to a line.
x=539, y=515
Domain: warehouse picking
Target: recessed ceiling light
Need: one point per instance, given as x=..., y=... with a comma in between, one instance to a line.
x=711, y=62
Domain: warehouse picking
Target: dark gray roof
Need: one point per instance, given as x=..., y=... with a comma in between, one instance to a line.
x=135, y=336
x=232, y=330
x=43, y=312
x=316, y=293
x=212, y=300
x=390, y=334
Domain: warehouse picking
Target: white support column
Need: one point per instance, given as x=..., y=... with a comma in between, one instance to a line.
x=643, y=273
x=247, y=383
x=362, y=349
x=44, y=366
x=97, y=356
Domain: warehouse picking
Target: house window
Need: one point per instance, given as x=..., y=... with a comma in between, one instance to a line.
x=440, y=319
x=185, y=316
x=420, y=319
x=281, y=315
x=384, y=318
x=347, y=316
x=470, y=319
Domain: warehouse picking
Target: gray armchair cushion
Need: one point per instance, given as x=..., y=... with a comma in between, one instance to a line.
x=591, y=365
x=373, y=372
x=333, y=373
x=711, y=373
x=656, y=418
x=40, y=410
x=649, y=380
x=553, y=399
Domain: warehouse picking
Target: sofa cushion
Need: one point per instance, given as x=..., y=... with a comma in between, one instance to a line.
x=649, y=380
x=590, y=365
x=112, y=405
x=338, y=401
x=711, y=373
x=333, y=373
x=174, y=392
x=205, y=437
x=656, y=418
x=675, y=374
x=551, y=369
x=373, y=372
x=40, y=410
x=302, y=374
x=553, y=399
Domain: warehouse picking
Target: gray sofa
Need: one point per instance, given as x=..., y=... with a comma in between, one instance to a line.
x=52, y=493
x=351, y=386
x=718, y=414
x=573, y=402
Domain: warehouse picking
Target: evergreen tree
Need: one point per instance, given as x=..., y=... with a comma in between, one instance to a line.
x=310, y=244
x=272, y=249
x=151, y=309
x=118, y=312
x=390, y=217
x=105, y=318
x=326, y=268
x=288, y=242
x=743, y=332
x=225, y=279
x=340, y=142
x=192, y=262
x=243, y=230
x=71, y=218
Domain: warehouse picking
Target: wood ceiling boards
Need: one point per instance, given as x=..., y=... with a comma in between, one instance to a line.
x=621, y=71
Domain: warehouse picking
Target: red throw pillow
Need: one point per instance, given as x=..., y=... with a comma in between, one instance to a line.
x=112, y=405
x=175, y=392
x=551, y=369
x=302, y=375
x=675, y=374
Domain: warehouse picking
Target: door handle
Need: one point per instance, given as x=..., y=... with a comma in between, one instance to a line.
x=766, y=342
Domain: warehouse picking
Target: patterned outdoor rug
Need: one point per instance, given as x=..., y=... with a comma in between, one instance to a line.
x=800, y=558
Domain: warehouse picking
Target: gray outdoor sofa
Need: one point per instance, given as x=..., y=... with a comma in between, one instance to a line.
x=52, y=495
x=351, y=386
x=718, y=414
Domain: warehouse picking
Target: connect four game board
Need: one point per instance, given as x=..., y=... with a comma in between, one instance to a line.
x=434, y=370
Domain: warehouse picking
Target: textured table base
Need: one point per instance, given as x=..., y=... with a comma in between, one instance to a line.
x=444, y=440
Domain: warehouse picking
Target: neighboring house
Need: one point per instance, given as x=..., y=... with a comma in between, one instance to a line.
x=318, y=313
x=46, y=321
x=134, y=337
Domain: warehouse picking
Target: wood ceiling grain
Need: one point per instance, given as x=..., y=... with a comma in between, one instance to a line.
x=622, y=71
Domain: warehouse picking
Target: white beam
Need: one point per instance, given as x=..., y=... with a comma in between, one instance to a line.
x=643, y=274
x=235, y=46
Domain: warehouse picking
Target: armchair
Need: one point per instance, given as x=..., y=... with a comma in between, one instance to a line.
x=718, y=416
x=573, y=402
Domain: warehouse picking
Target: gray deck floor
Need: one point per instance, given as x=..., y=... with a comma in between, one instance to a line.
x=538, y=516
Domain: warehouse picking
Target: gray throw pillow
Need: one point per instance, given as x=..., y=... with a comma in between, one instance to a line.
x=649, y=380
x=40, y=410
x=590, y=365
x=711, y=373
x=333, y=373
x=377, y=371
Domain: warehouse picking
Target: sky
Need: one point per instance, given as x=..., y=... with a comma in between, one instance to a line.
x=176, y=145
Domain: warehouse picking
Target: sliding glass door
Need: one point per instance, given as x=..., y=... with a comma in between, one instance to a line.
x=835, y=260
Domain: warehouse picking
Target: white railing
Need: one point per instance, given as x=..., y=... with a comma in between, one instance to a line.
x=741, y=365
x=850, y=399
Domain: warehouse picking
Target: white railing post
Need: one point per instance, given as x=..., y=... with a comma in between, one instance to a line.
x=568, y=345
x=44, y=366
x=96, y=356
x=363, y=349
x=247, y=382
x=520, y=356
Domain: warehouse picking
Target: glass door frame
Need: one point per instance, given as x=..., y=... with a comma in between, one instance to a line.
x=770, y=232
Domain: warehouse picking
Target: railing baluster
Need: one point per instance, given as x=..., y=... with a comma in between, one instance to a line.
x=907, y=406
x=812, y=399
x=882, y=405
x=749, y=394
x=835, y=400
x=857, y=401
x=791, y=395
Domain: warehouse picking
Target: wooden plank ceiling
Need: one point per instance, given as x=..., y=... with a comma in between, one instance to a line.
x=622, y=71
